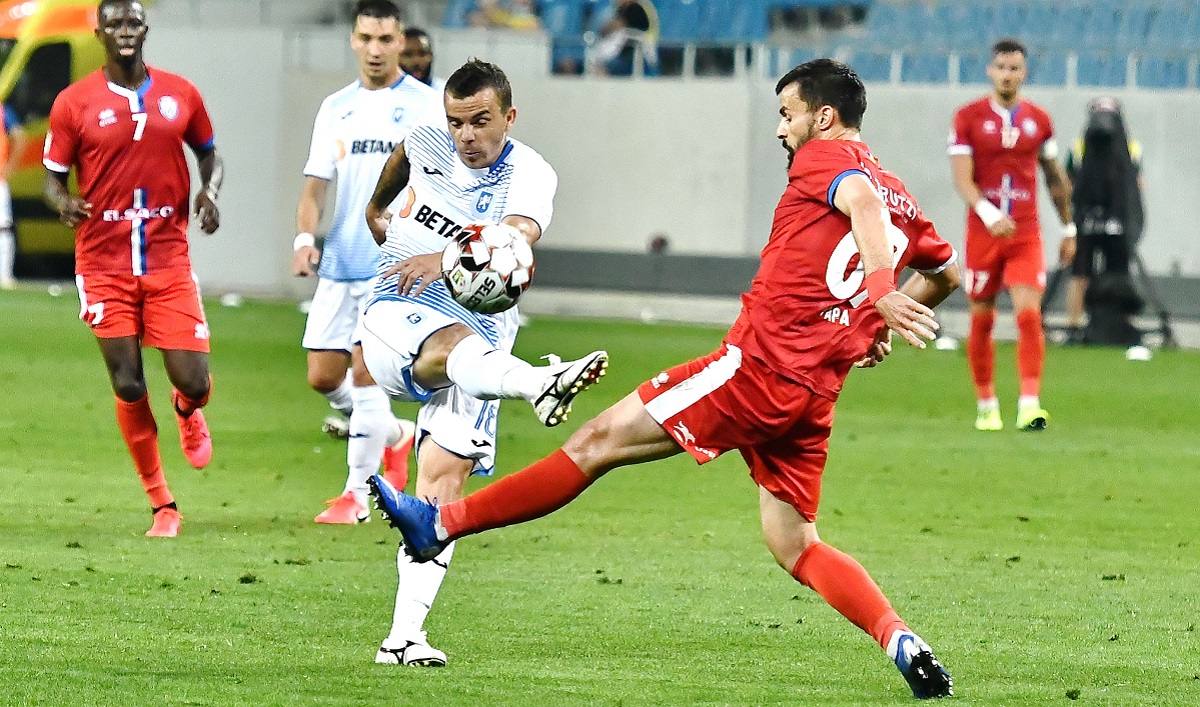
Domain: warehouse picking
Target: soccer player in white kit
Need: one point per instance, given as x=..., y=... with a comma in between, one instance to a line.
x=419, y=344
x=354, y=133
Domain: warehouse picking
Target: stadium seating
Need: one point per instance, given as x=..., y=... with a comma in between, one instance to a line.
x=1096, y=36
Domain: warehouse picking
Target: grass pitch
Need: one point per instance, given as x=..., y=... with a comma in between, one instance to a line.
x=1043, y=568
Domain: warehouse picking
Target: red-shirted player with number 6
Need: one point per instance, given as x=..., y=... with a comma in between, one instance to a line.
x=123, y=128
x=823, y=301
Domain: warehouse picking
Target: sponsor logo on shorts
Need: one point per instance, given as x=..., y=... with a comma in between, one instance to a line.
x=202, y=331
x=683, y=435
x=660, y=380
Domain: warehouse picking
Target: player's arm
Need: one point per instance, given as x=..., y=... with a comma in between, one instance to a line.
x=998, y=223
x=308, y=215
x=1059, y=186
x=856, y=197
x=527, y=226
x=394, y=178
x=72, y=209
x=17, y=141
x=212, y=174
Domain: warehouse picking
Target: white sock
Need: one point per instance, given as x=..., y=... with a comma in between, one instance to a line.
x=417, y=588
x=372, y=425
x=1026, y=401
x=339, y=398
x=988, y=404
x=8, y=251
x=487, y=373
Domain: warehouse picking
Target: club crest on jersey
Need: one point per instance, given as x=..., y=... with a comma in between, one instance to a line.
x=484, y=201
x=1029, y=125
x=168, y=107
x=397, y=115
x=989, y=127
x=107, y=117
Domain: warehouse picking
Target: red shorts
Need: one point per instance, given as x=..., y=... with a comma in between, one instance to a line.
x=163, y=308
x=995, y=263
x=726, y=401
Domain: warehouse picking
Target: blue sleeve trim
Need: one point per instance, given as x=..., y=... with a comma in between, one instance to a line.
x=212, y=141
x=838, y=180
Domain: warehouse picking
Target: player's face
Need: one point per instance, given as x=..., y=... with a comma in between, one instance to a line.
x=417, y=58
x=1007, y=72
x=479, y=127
x=122, y=31
x=377, y=42
x=797, y=122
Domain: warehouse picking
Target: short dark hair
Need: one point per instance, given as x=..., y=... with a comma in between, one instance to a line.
x=827, y=82
x=474, y=76
x=379, y=9
x=415, y=33
x=1009, y=45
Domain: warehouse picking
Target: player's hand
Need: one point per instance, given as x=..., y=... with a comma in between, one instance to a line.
x=207, y=213
x=74, y=211
x=304, y=259
x=907, y=317
x=1066, y=251
x=378, y=222
x=1004, y=228
x=416, y=273
x=880, y=348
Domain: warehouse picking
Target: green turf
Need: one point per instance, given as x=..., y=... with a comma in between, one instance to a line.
x=1040, y=566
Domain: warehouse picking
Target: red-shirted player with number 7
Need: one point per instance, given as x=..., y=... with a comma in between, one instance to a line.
x=123, y=128
x=824, y=300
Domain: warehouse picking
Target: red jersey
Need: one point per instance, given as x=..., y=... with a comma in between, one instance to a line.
x=127, y=147
x=1006, y=145
x=806, y=315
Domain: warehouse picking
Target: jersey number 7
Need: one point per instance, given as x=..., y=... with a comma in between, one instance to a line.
x=140, y=125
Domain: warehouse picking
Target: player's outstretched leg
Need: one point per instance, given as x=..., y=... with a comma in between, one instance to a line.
x=563, y=381
x=415, y=519
x=920, y=668
x=488, y=373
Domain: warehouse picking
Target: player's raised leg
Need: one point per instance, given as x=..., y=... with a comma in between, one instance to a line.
x=849, y=589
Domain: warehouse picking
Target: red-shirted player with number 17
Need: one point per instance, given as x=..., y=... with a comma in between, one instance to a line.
x=996, y=145
x=123, y=128
x=823, y=300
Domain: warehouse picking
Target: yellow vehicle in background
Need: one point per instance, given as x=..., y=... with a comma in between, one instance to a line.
x=45, y=45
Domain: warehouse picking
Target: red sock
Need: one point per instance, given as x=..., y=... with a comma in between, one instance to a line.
x=842, y=582
x=533, y=492
x=186, y=406
x=1031, y=350
x=141, y=437
x=980, y=353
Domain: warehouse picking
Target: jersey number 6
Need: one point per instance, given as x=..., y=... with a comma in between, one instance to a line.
x=843, y=282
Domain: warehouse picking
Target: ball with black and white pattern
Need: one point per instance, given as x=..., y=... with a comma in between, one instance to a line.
x=487, y=267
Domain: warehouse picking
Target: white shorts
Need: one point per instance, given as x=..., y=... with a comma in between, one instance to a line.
x=337, y=307
x=6, y=220
x=392, y=334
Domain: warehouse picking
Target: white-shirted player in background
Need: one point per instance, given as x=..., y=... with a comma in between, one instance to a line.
x=354, y=133
x=417, y=58
x=419, y=344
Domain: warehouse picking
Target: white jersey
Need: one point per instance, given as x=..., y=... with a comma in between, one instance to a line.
x=354, y=134
x=443, y=195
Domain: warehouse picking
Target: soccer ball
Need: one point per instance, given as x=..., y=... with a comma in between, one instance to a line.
x=487, y=266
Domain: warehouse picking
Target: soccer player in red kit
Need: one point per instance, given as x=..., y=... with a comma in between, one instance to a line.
x=824, y=300
x=123, y=129
x=996, y=145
